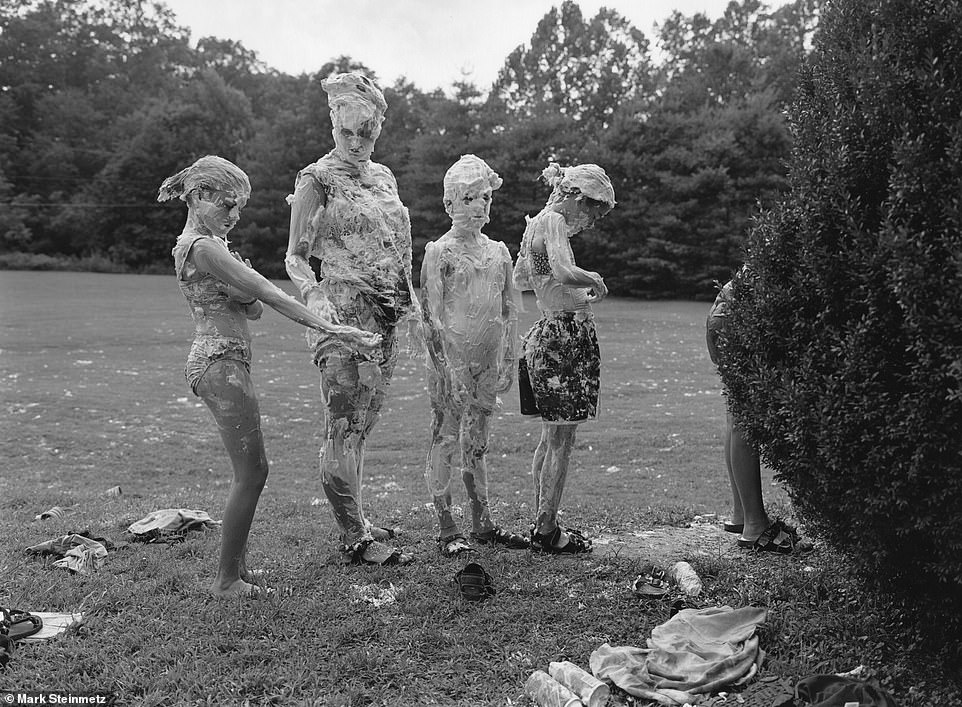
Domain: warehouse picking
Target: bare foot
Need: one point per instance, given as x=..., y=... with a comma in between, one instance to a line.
x=252, y=575
x=239, y=588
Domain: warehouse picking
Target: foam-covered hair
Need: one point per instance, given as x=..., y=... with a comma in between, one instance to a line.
x=353, y=87
x=587, y=179
x=469, y=171
x=209, y=172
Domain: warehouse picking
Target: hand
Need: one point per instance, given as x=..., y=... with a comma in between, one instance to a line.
x=246, y=261
x=358, y=338
x=254, y=310
x=599, y=290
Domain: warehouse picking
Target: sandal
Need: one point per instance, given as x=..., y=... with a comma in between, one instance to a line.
x=500, y=536
x=379, y=533
x=374, y=552
x=474, y=583
x=547, y=543
x=6, y=650
x=454, y=545
x=16, y=624
x=778, y=538
x=651, y=583
x=734, y=527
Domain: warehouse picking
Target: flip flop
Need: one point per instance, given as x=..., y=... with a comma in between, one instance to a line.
x=454, y=546
x=651, y=583
x=19, y=624
x=500, y=536
x=734, y=527
x=474, y=583
x=379, y=533
x=778, y=538
x=547, y=543
x=374, y=552
x=6, y=650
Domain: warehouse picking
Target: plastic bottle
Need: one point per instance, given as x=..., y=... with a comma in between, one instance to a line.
x=57, y=512
x=686, y=578
x=548, y=692
x=590, y=689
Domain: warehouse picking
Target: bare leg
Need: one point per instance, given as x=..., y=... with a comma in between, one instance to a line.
x=440, y=463
x=738, y=515
x=474, y=447
x=538, y=466
x=561, y=439
x=228, y=392
x=747, y=473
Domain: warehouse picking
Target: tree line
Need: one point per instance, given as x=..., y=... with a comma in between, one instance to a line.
x=100, y=101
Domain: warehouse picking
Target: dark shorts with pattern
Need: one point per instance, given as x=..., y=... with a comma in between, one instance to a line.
x=561, y=366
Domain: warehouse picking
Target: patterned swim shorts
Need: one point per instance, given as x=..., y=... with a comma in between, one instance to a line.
x=562, y=362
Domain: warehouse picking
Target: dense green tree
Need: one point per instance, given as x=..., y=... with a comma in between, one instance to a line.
x=747, y=50
x=14, y=233
x=449, y=128
x=692, y=163
x=842, y=357
x=689, y=182
x=164, y=136
x=524, y=149
x=101, y=100
x=292, y=134
x=581, y=69
x=73, y=71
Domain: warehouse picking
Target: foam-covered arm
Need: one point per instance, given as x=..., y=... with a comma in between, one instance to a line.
x=308, y=198
x=431, y=286
x=431, y=294
x=510, y=304
x=562, y=259
x=213, y=259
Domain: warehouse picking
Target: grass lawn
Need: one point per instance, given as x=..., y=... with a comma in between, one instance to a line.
x=91, y=378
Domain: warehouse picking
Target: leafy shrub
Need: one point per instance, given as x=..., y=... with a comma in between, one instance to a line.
x=843, y=354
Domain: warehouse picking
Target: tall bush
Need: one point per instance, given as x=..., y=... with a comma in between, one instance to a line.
x=844, y=351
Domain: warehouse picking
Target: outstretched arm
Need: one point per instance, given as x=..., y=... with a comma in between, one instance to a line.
x=212, y=258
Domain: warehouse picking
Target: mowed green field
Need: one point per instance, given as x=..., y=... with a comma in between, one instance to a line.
x=94, y=396
x=91, y=378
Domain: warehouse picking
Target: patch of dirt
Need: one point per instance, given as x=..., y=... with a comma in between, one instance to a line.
x=666, y=544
